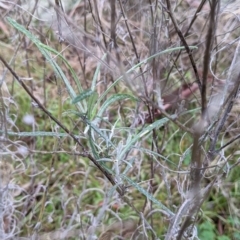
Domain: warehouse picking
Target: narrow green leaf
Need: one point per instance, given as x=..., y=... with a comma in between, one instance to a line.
x=92, y=145
x=82, y=95
x=44, y=49
x=112, y=99
x=91, y=126
x=148, y=195
x=97, y=72
x=91, y=111
x=38, y=134
x=159, y=156
x=141, y=63
x=145, y=131
x=99, y=132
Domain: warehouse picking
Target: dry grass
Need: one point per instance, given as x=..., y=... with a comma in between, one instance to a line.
x=149, y=149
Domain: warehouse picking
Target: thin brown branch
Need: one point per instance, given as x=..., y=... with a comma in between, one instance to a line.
x=200, y=7
x=100, y=23
x=196, y=159
x=226, y=144
x=195, y=195
x=168, y=9
x=170, y=117
x=113, y=23
x=134, y=47
x=196, y=202
x=223, y=119
x=59, y=9
x=182, y=93
x=86, y=154
x=209, y=43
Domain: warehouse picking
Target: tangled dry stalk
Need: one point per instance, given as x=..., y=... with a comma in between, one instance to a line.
x=119, y=119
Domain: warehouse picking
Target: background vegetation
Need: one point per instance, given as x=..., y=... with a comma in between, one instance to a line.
x=119, y=119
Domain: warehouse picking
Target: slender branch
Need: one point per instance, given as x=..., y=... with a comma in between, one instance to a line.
x=196, y=203
x=187, y=31
x=170, y=100
x=195, y=16
x=113, y=23
x=196, y=159
x=58, y=9
x=168, y=9
x=226, y=144
x=134, y=46
x=223, y=119
x=195, y=195
x=170, y=117
x=86, y=154
x=100, y=23
x=209, y=43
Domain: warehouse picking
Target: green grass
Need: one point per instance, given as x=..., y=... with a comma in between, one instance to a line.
x=150, y=161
